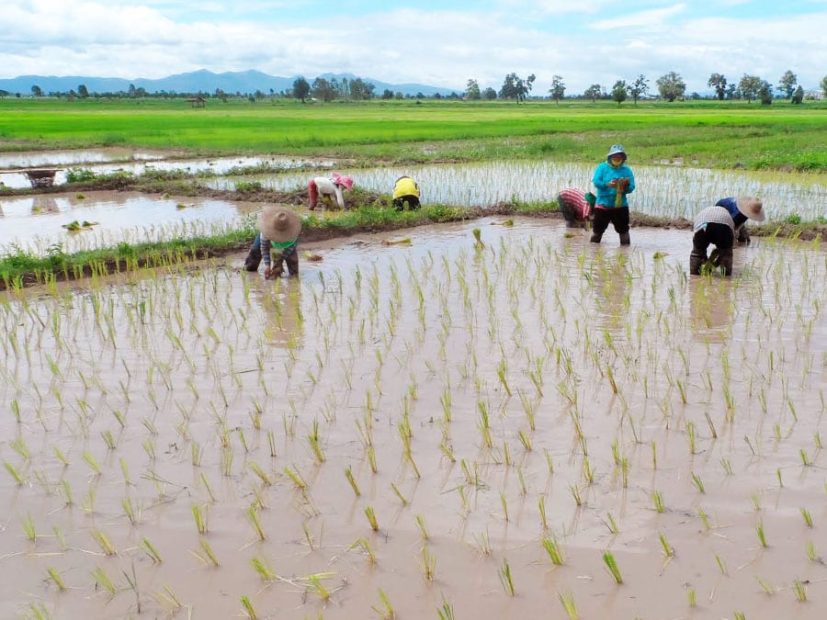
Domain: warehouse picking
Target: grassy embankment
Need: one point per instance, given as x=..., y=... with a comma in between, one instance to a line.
x=707, y=134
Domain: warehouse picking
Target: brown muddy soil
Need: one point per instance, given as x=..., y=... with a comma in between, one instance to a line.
x=487, y=401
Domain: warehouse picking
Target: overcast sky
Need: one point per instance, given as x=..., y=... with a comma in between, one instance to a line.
x=440, y=43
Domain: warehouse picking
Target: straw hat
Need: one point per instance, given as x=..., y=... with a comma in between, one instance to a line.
x=279, y=224
x=616, y=149
x=751, y=207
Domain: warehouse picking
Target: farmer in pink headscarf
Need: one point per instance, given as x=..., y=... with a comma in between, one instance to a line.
x=329, y=188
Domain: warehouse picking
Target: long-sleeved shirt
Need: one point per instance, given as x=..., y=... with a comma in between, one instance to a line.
x=287, y=248
x=576, y=201
x=327, y=187
x=604, y=174
x=731, y=205
x=405, y=186
x=713, y=215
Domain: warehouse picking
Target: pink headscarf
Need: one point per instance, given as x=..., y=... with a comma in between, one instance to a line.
x=344, y=181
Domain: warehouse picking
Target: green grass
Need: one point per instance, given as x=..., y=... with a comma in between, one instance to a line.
x=703, y=133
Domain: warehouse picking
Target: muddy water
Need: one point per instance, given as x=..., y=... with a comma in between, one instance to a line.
x=626, y=377
x=15, y=179
x=663, y=191
x=36, y=159
x=37, y=222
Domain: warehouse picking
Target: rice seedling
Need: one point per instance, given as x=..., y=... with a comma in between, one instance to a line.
x=692, y=597
x=19, y=479
x=808, y=518
x=506, y=578
x=206, y=555
x=668, y=550
x=318, y=587
x=263, y=568
x=428, y=563
x=800, y=591
x=721, y=565
x=247, y=605
x=446, y=611
x=386, y=612
x=611, y=563
x=541, y=507
x=365, y=546
x=568, y=603
x=151, y=551
x=555, y=554
x=371, y=517
x=199, y=515
x=811, y=552
x=29, y=529
x=420, y=523
x=762, y=538
x=696, y=480
x=255, y=521
x=56, y=578
x=103, y=542
x=103, y=581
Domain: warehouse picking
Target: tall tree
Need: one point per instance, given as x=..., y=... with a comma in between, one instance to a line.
x=749, y=86
x=514, y=87
x=639, y=88
x=301, y=88
x=83, y=92
x=593, y=92
x=823, y=85
x=490, y=94
x=765, y=92
x=798, y=95
x=619, y=91
x=787, y=83
x=360, y=90
x=671, y=86
x=472, y=90
x=718, y=82
x=323, y=89
x=37, y=91
x=558, y=88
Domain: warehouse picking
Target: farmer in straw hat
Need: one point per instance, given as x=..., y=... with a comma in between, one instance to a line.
x=613, y=180
x=740, y=209
x=279, y=230
x=405, y=194
x=715, y=226
x=328, y=188
x=577, y=207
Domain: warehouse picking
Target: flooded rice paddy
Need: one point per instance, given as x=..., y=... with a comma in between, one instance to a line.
x=12, y=173
x=422, y=427
x=36, y=223
x=665, y=191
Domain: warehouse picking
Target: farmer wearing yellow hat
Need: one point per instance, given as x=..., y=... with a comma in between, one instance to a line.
x=613, y=180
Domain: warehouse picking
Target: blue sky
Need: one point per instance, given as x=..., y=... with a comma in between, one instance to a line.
x=438, y=43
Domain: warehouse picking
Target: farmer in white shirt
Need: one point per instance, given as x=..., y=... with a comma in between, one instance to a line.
x=328, y=188
x=715, y=226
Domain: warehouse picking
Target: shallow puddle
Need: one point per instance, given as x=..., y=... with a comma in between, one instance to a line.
x=661, y=191
x=489, y=403
x=36, y=223
x=17, y=179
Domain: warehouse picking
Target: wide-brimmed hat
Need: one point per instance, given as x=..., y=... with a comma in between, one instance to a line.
x=616, y=149
x=279, y=224
x=752, y=207
x=345, y=181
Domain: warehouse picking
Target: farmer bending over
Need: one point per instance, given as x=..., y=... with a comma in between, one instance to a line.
x=613, y=180
x=278, y=232
x=328, y=188
x=405, y=194
x=715, y=226
x=575, y=206
x=740, y=209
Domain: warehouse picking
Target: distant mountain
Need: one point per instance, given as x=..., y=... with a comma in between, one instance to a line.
x=244, y=82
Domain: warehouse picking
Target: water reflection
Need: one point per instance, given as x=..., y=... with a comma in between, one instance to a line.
x=711, y=308
x=282, y=304
x=611, y=277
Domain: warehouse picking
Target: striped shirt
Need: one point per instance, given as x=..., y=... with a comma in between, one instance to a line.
x=713, y=215
x=576, y=201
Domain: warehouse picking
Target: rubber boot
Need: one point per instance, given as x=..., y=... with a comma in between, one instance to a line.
x=624, y=239
x=696, y=261
x=725, y=261
x=253, y=259
x=596, y=237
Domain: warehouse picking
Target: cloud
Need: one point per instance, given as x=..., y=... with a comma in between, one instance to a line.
x=439, y=47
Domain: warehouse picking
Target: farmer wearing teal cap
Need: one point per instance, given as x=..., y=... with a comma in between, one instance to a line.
x=278, y=233
x=613, y=180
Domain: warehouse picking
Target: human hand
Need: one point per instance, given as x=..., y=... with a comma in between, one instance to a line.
x=268, y=273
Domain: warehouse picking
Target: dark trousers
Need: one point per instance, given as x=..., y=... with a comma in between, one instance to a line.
x=719, y=235
x=406, y=203
x=290, y=257
x=618, y=216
